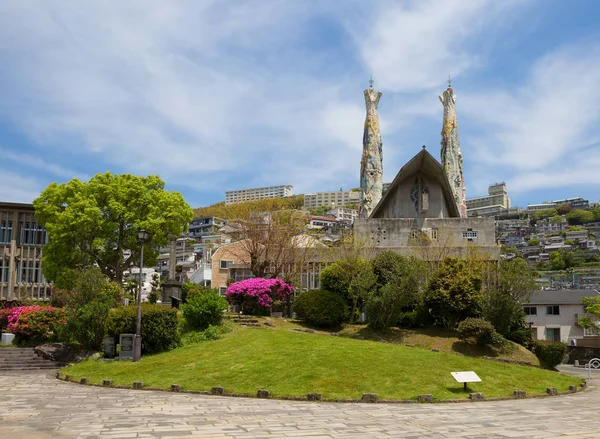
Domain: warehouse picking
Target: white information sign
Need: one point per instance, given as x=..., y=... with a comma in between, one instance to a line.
x=466, y=377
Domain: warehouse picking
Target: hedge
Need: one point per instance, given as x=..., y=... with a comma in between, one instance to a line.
x=321, y=308
x=160, y=329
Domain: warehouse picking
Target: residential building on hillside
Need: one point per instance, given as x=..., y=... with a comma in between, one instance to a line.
x=552, y=225
x=532, y=208
x=147, y=275
x=331, y=199
x=206, y=225
x=242, y=195
x=495, y=203
x=344, y=214
x=21, y=242
x=184, y=257
x=553, y=314
x=575, y=203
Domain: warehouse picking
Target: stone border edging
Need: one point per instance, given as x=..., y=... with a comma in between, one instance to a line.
x=583, y=387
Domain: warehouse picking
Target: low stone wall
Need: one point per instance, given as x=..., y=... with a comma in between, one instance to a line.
x=582, y=354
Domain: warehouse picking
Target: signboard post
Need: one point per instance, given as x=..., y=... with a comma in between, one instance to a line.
x=466, y=377
x=126, y=346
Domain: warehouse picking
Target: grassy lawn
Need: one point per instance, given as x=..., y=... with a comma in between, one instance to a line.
x=290, y=363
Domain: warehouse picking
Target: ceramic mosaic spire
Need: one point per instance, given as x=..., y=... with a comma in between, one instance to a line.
x=451, y=156
x=371, y=165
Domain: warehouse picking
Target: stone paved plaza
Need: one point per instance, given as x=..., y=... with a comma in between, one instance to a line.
x=36, y=405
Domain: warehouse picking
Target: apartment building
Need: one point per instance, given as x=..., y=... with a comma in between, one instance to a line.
x=343, y=214
x=575, y=203
x=331, y=199
x=204, y=226
x=21, y=242
x=242, y=195
x=496, y=202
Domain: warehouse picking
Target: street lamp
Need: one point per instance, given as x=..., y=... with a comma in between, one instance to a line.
x=143, y=236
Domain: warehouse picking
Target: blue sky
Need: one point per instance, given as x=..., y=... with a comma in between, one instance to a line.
x=222, y=95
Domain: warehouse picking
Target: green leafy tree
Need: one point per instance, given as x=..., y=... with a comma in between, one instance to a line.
x=561, y=260
x=563, y=209
x=453, y=293
x=398, y=283
x=592, y=308
x=89, y=304
x=352, y=278
x=580, y=216
x=533, y=241
x=156, y=290
x=95, y=223
x=543, y=214
x=512, y=284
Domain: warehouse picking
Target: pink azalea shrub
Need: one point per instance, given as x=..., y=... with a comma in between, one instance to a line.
x=35, y=322
x=257, y=294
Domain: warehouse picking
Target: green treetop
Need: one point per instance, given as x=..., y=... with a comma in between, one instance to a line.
x=96, y=223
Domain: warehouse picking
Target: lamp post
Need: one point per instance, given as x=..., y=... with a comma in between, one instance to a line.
x=143, y=237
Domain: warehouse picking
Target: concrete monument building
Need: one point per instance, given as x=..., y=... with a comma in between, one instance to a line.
x=423, y=213
x=451, y=155
x=371, y=165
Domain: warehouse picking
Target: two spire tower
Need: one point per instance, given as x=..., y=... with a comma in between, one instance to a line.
x=371, y=165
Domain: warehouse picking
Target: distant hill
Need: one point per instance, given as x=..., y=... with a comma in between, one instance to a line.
x=228, y=211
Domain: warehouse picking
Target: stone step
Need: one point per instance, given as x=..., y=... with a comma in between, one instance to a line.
x=15, y=359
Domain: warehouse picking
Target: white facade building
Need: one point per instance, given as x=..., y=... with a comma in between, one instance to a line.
x=242, y=195
x=553, y=314
x=343, y=214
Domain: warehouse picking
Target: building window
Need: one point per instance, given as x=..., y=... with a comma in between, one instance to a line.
x=470, y=234
x=31, y=233
x=553, y=334
x=224, y=264
x=553, y=310
x=4, y=271
x=6, y=231
x=530, y=310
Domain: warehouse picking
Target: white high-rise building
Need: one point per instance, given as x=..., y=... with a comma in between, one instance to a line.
x=241, y=195
x=331, y=199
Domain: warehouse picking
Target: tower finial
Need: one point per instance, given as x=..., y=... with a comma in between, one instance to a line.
x=371, y=81
x=449, y=82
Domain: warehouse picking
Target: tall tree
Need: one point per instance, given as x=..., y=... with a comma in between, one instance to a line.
x=96, y=223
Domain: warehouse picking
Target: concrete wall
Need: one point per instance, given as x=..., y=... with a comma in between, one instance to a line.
x=396, y=234
x=399, y=204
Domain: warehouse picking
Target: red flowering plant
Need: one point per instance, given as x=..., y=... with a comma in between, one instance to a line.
x=256, y=295
x=4, y=313
x=35, y=323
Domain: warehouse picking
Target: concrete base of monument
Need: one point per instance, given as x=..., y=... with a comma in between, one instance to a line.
x=171, y=293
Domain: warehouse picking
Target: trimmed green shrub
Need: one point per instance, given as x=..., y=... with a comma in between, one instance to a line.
x=476, y=331
x=321, y=308
x=160, y=330
x=550, y=353
x=210, y=333
x=204, y=310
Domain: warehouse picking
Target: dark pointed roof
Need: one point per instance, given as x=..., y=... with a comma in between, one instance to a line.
x=427, y=164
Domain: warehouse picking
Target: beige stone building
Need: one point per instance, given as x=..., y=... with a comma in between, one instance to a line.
x=21, y=242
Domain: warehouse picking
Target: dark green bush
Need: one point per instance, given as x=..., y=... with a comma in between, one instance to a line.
x=408, y=320
x=204, y=310
x=476, y=331
x=321, y=308
x=160, y=330
x=550, y=353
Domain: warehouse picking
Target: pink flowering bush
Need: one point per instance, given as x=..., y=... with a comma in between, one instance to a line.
x=257, y=295
x=35, y=323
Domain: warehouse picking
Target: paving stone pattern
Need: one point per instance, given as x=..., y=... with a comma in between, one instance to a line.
x=36, y=405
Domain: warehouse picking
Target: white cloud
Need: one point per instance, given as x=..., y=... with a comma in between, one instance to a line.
x=16, y=188
x=542, y=133
x=411, y=46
